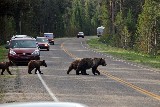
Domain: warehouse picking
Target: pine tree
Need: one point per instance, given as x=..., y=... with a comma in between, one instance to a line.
x=148, y=28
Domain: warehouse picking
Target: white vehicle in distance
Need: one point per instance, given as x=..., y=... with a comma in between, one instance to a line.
x=100, y=31
x=50, y=37
x=80, y=34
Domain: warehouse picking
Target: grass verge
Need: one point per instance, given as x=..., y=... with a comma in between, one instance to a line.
x=3, y=53
x=125, y=54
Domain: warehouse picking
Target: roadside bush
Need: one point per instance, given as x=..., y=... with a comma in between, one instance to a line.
x=3, y=53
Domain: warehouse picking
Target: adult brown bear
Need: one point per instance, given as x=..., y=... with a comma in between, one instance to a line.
x=5, y=66
x=87, y=63
x=36, y=64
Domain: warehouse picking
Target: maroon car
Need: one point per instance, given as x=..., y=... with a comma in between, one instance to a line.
x=22, y=50
x=43, y=43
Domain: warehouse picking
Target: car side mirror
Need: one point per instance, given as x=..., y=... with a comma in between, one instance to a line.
x=7, y=46
x=7, y=42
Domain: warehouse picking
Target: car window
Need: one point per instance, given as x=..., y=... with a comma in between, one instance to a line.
x=42, y=40
x=80, y=32
x=23, y=44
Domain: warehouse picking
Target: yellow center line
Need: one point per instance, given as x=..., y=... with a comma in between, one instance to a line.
x=132, y=86
x=70, y=54
x=145, y=92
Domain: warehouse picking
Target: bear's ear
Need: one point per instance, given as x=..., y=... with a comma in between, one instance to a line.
x=101, y=59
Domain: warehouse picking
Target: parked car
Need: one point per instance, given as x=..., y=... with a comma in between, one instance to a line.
x=80, y=34
x=22, y=50
x=43, y=43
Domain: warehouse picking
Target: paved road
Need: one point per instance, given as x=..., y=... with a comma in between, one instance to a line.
x=121, y=83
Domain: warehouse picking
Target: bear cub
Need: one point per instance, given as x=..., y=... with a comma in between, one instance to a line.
x=73, y=65
x=36, y=64
x=5, y=66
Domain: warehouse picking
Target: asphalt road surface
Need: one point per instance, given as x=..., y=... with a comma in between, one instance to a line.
x=121, y=83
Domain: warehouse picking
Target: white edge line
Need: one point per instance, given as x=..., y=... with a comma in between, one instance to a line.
x=47, y=88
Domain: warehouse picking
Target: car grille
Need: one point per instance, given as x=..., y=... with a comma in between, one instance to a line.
x=23, y=54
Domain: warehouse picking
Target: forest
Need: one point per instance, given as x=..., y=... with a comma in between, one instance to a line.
x=129, y=24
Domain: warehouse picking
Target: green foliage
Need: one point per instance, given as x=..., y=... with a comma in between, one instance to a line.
x=77, y=18
x=129, y=24
x=120, y=27
x=7, y=28
x=3, y=53
x=104, y=17
x=148, y=27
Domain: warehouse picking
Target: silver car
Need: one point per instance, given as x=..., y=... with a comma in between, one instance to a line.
x=43, y=104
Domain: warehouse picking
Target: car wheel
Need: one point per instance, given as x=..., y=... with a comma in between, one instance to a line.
x=47, y=49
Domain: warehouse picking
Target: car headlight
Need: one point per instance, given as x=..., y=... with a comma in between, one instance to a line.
x=11, y=52
x=46, y=44
x=36, y=52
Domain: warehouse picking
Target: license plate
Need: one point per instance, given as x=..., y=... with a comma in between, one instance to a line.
x=25, y=57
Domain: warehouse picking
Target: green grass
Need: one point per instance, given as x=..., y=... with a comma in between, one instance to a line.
x=125, y=54
x=3, y=53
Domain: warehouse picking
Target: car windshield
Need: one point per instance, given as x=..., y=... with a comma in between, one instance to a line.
x=23, y=44
x=80, y=32
x=43, y=40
